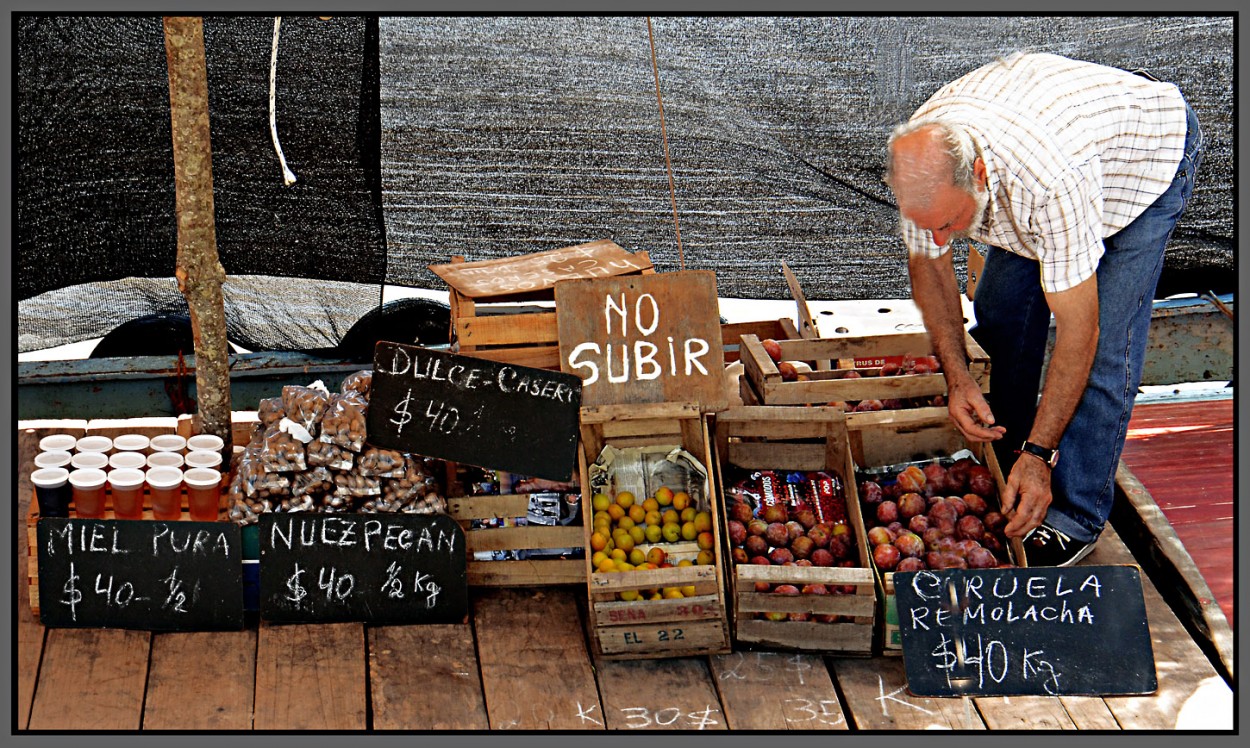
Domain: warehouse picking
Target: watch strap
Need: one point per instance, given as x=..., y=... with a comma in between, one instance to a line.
x=1049, y=456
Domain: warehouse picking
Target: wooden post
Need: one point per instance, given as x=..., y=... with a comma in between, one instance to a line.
x=198, y=270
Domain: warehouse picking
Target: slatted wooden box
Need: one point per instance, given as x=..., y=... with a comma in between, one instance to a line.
x=796, y=439
x=832, y=358
x=514, y=572
x=647, y=629
x=907, y=436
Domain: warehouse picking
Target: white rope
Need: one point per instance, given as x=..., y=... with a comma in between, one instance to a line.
x=288, y=176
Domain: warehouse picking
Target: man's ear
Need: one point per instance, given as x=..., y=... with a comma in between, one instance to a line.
x=979, y=171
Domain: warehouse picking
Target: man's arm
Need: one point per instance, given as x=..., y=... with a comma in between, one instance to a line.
x=934, y=290
x=1076, y=339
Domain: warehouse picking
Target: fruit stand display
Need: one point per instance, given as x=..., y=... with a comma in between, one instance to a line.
x=867, y=376
x=653, y=574
x=929, y=500
x=801, y=577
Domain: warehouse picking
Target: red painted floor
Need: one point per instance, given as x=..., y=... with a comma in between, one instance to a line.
x=1183, y=454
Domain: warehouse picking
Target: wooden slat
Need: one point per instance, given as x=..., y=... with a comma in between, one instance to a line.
x=30, y=633
x=536, y=673
x=771, y=691
x=184, y=664
x=526, y=536
x=1025, y=713
x=310, y=677
x=527, y=572
x=667, y=694
x=508, y=329
x=91, y=679
x=538, y=357
x=425, y=678
x=875, y=693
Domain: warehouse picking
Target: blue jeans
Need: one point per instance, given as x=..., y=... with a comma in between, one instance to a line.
x=1013, y=324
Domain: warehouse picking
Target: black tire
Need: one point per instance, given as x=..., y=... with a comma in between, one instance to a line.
x=413, y=321
x=150, y=335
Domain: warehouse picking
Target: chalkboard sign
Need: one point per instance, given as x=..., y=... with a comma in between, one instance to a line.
x=1077, y=631
x=540, y=270
x=644, y=339
x=140, y=574
x=493, y=415
x=379, y=568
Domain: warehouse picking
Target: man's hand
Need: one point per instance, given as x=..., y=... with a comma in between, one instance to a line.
x=1028, y=496
x=971, y=413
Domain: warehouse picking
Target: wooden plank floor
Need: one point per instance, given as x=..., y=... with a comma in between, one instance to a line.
x=521, y=662
x=1183, y=454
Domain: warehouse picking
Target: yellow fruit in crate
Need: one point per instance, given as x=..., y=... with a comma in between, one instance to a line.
x=637, y=514
x=656, y=555
x=705, y=541
x=688, y=591
x=651, y=505
x=664, y=496
x=705, y=558
x=624, y=499
x=653, y=533
x=630, y=595
x=688, y=532
x=681, y=500
x=637, y=557
x=624, y=566
x=686, y=562
x=615, y=512
x=624, y=523
x=638, y=534
x=616, y=554
x=671, y=532
x=598, y=558
x=598, y=541
x=673, y=593
x=688, y=514
x=601, y=516
x=703, y=521
x=600, y=501
x=656, y=596
x=624, y=541
x=652, y=518
x=606, y=565
x=670, y=516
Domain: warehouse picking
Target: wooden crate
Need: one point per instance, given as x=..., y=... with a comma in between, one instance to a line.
x=907, y=437
x=806, y=439
x=494, y=328
x=515, y=572
x=647, y=629
x=832, y=358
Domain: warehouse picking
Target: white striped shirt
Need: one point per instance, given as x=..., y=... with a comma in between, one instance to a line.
x=1074, y=150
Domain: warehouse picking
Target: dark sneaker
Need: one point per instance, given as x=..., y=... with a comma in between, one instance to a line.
x=1046, y=546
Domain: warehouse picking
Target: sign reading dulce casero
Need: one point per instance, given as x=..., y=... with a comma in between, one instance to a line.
x=541, y=270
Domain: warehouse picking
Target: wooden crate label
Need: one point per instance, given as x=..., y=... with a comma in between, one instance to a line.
x=673, y=637
x=656, y=611
x=377, y=568
x=539, y=270
x=644, y=339
x=1078, y=631
x=470, y=410
x=140, y=574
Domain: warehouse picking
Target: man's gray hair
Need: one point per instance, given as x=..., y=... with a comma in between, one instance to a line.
x=958, y=155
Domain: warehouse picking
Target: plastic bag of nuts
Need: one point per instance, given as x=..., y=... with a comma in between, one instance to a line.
x=355, y=484
x=243, y=511
x=259, y=483
x=293, y=504
x=305, y=405
x=358, y=383
x=270, y=412
x=281, y=452
x=381, y=463
x=314, y=481
x=333, y=503
x=320, y=453
x=343, y=423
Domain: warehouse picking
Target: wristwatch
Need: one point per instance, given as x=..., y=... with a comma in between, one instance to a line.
x=1049, y=456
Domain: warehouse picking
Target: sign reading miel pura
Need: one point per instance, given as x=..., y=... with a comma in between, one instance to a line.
x=643, y=339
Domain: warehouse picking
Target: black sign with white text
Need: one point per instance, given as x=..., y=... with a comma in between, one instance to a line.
x=1078, y=631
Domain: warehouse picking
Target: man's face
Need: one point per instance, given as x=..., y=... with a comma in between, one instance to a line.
x=952, y=213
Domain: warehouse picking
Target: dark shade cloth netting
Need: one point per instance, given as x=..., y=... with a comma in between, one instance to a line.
x=420, y=137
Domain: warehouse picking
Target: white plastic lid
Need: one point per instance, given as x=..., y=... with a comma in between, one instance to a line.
x=167, y=443
x=202, y=477
x=95, y=443
x=97, y=460
x=165, y=459
x=200, y=459
x=126, y=477
x=50, y=477
x=131, y=442
x=164, y=477
x=206, y=442
x=64, y=442
x=87, y=478
x=128, y=460
x=53, y=458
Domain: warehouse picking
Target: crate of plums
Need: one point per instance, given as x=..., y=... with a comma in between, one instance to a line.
x=930, y=500
x=870, y=377
x=799, y=571
x=653, y=537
